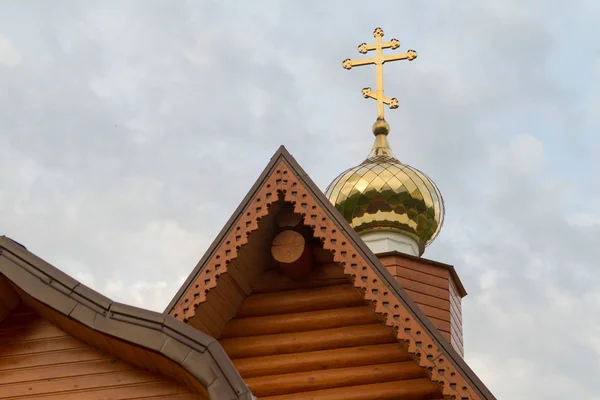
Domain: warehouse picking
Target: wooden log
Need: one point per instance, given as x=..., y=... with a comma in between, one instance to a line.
x=299, y=322
x=288, y=247
x=412, y=389
x=314, y=299
x=325, y=339
x=333, y=378
x=320, y=360
x=294, y=257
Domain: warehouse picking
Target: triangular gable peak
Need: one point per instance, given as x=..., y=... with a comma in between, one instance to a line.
x=222, y=280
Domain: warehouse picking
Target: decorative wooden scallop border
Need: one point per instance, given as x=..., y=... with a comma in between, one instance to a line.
x=425, y=351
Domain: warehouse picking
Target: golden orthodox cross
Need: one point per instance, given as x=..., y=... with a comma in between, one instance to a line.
x=379, y=59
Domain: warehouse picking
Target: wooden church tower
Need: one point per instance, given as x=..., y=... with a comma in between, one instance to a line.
x=303, y=295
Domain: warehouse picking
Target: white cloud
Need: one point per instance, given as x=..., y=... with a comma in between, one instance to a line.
x=86, y=278
x=523, y=154
x=9, y=55
x=583, y=219
x=149, y=295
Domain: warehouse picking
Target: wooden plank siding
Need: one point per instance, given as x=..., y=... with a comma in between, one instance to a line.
x=319, y=339
x=433, y=289
x=456, y=318
x=40, y=361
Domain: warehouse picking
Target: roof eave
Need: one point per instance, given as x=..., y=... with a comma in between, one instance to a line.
x=197, y=353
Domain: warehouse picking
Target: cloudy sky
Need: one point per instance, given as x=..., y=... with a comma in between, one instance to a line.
x=130, y=131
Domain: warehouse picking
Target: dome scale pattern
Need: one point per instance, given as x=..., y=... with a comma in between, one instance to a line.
x=382, y=193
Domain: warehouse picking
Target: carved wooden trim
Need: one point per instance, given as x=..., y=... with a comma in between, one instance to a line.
x=283, y=182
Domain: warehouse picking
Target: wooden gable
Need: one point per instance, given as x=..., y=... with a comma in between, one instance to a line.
x=323, y=337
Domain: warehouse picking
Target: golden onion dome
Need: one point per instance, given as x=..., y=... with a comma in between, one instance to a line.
x=383, y=194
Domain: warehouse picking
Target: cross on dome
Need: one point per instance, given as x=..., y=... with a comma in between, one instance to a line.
x=378, y=60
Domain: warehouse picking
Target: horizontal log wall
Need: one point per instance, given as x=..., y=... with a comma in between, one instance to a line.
x=318, y=339
x=39, y=360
